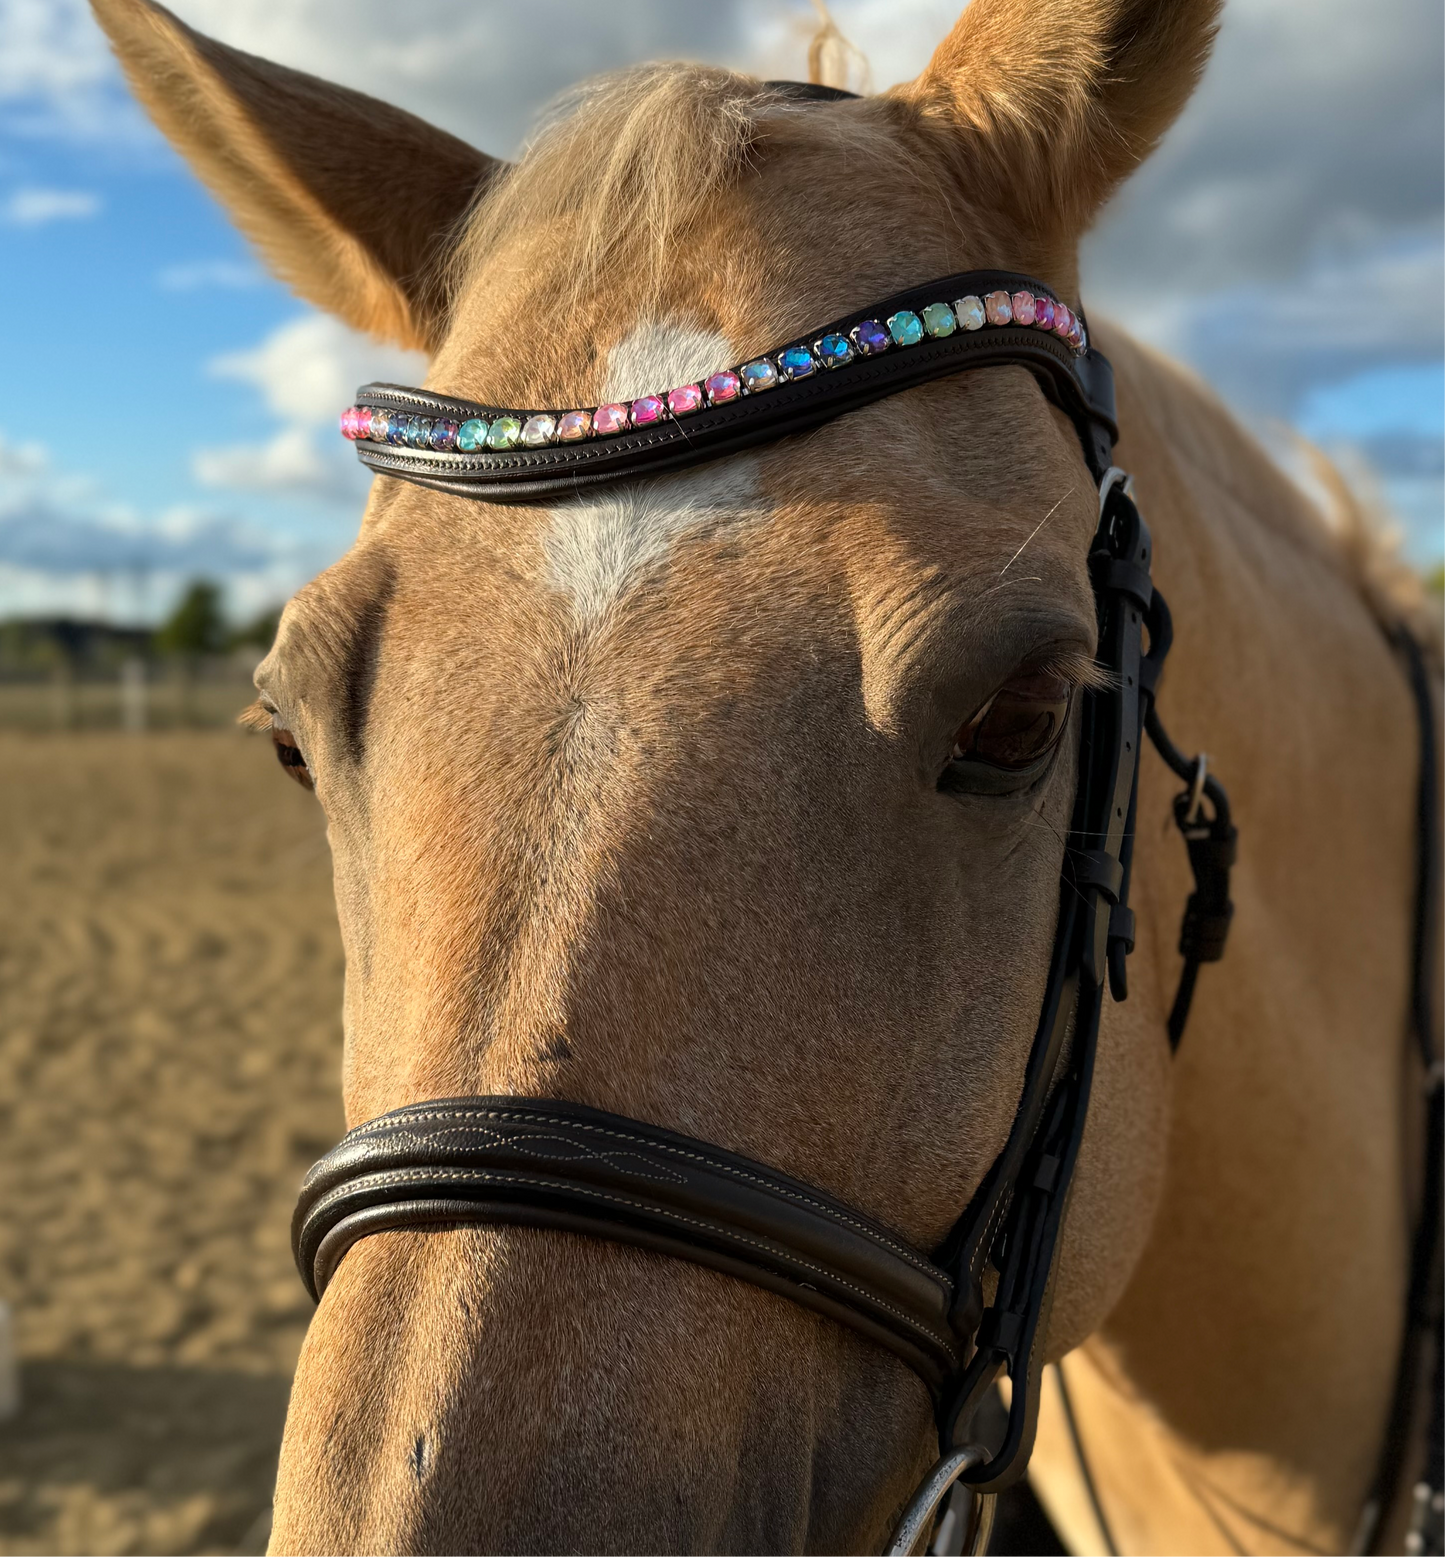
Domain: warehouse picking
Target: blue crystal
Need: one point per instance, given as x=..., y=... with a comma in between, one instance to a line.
x=797, y=362
x=471, y=436
x=396, y=425
x=418, y=432
x=835, y=350
x=906, y=327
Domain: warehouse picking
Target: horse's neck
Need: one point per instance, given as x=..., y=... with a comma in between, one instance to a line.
x=1236, y=1398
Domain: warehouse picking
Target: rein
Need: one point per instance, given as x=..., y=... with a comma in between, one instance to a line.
x=554, y=1164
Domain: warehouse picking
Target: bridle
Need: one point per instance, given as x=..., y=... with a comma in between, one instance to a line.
x=565, y=1165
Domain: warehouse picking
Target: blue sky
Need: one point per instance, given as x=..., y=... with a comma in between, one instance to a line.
x=167, y=409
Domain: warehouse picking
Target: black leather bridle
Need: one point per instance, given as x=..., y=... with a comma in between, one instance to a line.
x=557, y=1164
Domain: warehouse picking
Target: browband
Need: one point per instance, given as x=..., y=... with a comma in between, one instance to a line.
x=974, y=319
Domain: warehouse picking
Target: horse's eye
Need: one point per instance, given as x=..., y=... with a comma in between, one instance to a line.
x=1019, y=725
x=288, y=754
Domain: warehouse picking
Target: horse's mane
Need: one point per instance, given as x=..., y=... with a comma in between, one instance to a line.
x=620, y=166
x=1361, y=526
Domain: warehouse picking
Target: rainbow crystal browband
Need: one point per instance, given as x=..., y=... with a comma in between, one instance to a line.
x=510, y=455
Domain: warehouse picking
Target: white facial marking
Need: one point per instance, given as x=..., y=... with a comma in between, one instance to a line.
x=597, y=549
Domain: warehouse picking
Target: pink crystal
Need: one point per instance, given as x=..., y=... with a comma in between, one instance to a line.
x=1062, y=319
x=1044, y=312
x=722, y=387
x=573, y=426
x=1023, y=304
x=349, y=428
x=646, y=410
x=684, y=399
x=998, y=308
x=609, y=419
x=1076, y=334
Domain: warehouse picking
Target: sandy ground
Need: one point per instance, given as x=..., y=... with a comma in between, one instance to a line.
x=170, y=985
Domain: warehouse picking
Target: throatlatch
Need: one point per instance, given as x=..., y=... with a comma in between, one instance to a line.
x=566, y=1165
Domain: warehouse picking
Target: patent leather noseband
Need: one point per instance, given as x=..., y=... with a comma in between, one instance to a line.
x=559, y=1164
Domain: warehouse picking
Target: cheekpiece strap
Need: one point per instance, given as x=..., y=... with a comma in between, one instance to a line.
x=975, y=319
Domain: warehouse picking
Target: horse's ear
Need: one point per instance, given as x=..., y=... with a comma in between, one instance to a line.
x=350, y=201
x=1062, y=99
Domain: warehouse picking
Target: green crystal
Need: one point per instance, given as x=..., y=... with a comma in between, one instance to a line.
x=938, y=319
x=471, y=436
x=506, y=430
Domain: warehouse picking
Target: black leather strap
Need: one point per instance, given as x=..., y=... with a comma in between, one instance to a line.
x=1421, y=1366
x=567, y=1166
x=1081, y=384
x=1209, y=835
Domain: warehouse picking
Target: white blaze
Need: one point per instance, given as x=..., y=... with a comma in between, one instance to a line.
x=598, y=548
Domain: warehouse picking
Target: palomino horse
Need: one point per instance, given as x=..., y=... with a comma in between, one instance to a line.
x=635, y=799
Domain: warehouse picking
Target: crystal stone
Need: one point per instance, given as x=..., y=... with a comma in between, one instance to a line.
x=471, y=436
x=1063, y=319
x=379, y=420
x=1023, y=306
x=348, y=423
x=969, y=312
x=870, y=337
x=834, y=350
x=722, y=387
x=539, y=431
x=646, y=409
x=938, y=319
x=396, y=425
x=905, y=327
x=685, y=399
x=573, y=426
x=444, y=436
x=797, y=362
x=998, y=308
x=418, y=432
x=1044, y=312
x=758, y=376
x=609, y=419
x=504, y=433
x=1078, y=336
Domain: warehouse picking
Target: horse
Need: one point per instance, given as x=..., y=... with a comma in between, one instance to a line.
x=640, y=798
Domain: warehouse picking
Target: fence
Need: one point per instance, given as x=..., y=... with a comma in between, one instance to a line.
x=136, y=695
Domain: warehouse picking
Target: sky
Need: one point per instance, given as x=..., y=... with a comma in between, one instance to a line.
x=167, y=411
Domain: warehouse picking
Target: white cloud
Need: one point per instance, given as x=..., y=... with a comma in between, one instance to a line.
x=306, y=372
x=63, y=546
x=33, y=207
x=289, y=463
x=57, y=76
x=203, y=275
x=19, y=460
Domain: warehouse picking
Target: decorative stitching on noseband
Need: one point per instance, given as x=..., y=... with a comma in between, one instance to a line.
x=484, y=1176
x=901, y=1250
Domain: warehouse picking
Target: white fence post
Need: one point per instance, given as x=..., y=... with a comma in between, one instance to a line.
x=9, y=1368
x=133, y=695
